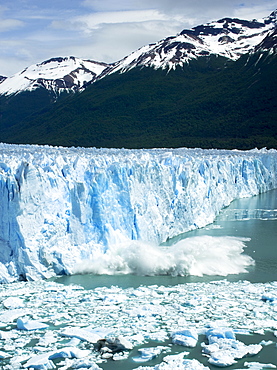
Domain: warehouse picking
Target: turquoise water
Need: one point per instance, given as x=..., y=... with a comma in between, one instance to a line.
x=254, y=218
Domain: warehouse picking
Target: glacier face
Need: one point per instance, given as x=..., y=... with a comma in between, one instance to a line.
x=61, y=207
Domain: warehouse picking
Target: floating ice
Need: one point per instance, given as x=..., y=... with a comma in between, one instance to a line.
x=220, y=332
x=223, y=348
x=85, y=322
x=13, y=302
x=177, y=362
x=11, y=315
x=4, y=355
x=82, y=333
x=69, y=352
x=259, y=366
x=186, y=337
x=147, y=354
x=27, y=324
x=40, y=362
x=8, y=335
x=67, y=210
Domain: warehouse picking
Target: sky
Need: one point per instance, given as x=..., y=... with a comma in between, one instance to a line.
x=32, y=31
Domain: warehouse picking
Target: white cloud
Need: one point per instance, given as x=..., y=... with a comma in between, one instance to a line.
x=10, y=24
x=93, y=21
x=114, y=5
x=106, y=30
x=257, y=11
x=112, y=42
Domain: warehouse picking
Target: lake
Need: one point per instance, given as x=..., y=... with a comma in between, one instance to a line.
x=254, y=218
x=146, y=310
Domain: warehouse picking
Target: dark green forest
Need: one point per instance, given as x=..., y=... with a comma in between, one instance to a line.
x=211, y=102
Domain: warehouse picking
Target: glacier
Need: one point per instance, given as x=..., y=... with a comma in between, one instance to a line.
x=62, y=209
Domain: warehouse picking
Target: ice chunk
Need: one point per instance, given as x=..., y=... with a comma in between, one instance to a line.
x=124, y=342
x=114, y=298
x=4, y=355
x=186, y=337
x=219, y=332
x=82, y=364
x=44, y=361
x=269, y=298
x=13, y=302
x=222, y=359
x=81, y=333
x=8, y=334
x=11, y=315
x=259, y=366
x=40, y=362
x=147, y=354
x=224, y=351
x=27, y=324
x=69, y=352
x=176, y=363
x=108, y=347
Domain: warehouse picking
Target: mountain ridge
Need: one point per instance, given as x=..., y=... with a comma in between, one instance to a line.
x=55, y=74
x=227, y=37
x=204, y=40
x=212, y=101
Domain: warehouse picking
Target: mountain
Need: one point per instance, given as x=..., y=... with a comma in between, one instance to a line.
x=268, y=43
x=211, y=86
x=55, y=75
x=39, y=86
x=228, y=37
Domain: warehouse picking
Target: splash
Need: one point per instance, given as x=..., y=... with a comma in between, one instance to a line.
x=198, y=256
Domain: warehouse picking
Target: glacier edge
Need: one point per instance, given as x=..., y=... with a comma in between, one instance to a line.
x=61, y=206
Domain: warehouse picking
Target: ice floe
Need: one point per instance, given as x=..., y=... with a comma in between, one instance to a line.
x=67, y=327
x=26, y=324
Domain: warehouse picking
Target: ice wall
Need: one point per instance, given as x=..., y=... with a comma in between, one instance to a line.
x=62, y=206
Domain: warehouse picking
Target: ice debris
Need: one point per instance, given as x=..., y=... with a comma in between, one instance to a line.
x=223, y=349
x=259, y=366
x=27, y=324
x=84, y=329
x=13, y=303
x=176, y=363
x=186, y=337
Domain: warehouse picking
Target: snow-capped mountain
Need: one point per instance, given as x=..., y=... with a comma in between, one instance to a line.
x=220, y=92
x=269, y=43
x=56, y=74
x=228, y=37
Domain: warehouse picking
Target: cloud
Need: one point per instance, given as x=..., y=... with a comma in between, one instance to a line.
x=10, y=24
x=105, y=30
x=93, y=21
x=126, y=37
x=257, y=11
x=117, y=5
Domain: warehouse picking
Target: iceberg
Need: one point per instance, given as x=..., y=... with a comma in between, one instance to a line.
x=224, y=349
x=186, y=337
x=74, y=210
x=26, y=324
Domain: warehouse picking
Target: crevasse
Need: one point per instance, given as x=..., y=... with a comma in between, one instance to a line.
x=62, y=206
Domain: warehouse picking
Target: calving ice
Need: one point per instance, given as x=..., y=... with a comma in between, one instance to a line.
x=69, y=210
